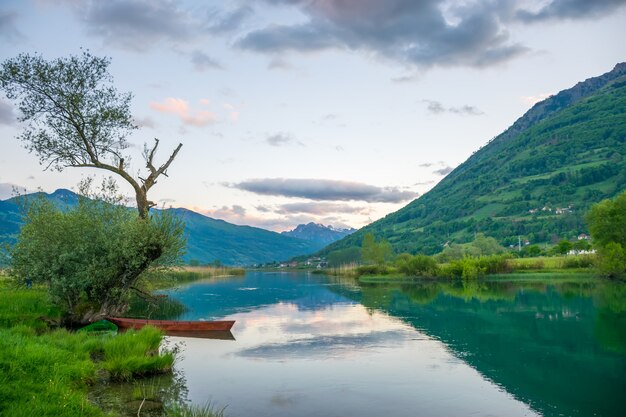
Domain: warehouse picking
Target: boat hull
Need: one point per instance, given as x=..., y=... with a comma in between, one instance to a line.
x=173, y=325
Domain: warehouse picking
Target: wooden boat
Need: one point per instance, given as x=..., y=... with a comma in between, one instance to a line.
x=173, y=325
x=210, y=334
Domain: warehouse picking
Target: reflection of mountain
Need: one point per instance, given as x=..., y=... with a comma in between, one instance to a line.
x=219, y=299
x=541, y=346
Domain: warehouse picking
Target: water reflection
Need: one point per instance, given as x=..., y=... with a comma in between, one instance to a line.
x=311, y=345
x=307, y=346
x=558, y=347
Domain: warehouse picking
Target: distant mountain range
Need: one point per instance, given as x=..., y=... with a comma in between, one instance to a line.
x=208, y=239
x=324, y=235
x=535, y=180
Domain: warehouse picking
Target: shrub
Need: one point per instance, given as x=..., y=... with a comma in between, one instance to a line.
x=418, y=265
x=91, y=255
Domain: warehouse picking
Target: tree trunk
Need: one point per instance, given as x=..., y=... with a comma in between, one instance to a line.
x=143, y=204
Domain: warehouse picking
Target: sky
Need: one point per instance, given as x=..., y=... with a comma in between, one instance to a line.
x=291, y=111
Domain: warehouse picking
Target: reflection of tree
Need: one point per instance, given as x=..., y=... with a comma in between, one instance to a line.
x=422, y=293
x=610, y=299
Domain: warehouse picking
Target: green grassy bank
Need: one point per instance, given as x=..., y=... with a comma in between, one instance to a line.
x=49, y=372
x=421, y=266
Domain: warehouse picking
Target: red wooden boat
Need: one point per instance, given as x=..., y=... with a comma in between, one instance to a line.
x=173, y=325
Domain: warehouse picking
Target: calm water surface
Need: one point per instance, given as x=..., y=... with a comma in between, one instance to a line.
x=308, y=345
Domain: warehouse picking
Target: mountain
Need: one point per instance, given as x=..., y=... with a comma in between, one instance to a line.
x=211, y=239
x=535, y=180
x=208, y=239
x=318, y=233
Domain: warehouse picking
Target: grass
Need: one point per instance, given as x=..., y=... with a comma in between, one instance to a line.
x=571, y=264
x=554, y=264
x=184, y=410
x=179, y=276
x=47, y=372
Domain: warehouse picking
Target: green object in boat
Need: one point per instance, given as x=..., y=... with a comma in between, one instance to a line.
x=100, y=327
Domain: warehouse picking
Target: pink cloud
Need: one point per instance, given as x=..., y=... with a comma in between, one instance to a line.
x=181, y=108
x=233, y=113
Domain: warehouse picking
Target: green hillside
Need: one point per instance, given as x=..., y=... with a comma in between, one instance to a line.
x=208, y=239
x=536, y=180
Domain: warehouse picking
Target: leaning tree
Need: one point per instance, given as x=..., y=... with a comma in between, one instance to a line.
x=74, y=117
x=92, y=256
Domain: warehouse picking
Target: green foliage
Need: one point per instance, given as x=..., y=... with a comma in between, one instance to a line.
x=46, y=373
x=373, y=252
x=607, y=224
x=185, y=410
x=376, y=269
x=136, y=354
x=72, y=116
x=481, y=246
x=612, y=259
x=581, y=261
x=472, y=268
x=416, y=265
x=564, y=246
x=91, y=255
x=54, y=96
x=19, y=306
x=344, y=257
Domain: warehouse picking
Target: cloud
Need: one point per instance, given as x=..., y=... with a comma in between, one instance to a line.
x=228, y=21
x=233, y=113
x=280, y=64
x=416, y=33
x=239, y=215
x=435, y=107
x=137, y=25
x=203, y=62
x=8, y=190
x=8, y=26
x=426, y=165
x=322, y=189
x=6, y=113
x=145, y=122
x=318, y=208
x=569, y=9
x=532, y=100
x=181, y=108
x=281, y=139
x=443, y=171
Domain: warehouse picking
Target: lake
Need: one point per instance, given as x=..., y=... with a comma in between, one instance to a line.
x=311, y=345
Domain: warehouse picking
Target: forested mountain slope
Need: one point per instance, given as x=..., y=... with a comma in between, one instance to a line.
x=536, y=180
x=208, y=239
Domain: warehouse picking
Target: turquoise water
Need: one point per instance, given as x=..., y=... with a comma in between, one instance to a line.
x=308, y=345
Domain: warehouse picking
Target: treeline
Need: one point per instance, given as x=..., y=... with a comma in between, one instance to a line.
x=483, y=256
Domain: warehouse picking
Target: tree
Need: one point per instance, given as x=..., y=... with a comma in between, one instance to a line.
x=373, y=252
x=74, y=117
x=607, y=224
x=90, y=256
x=416, y=265
x=564, y=246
